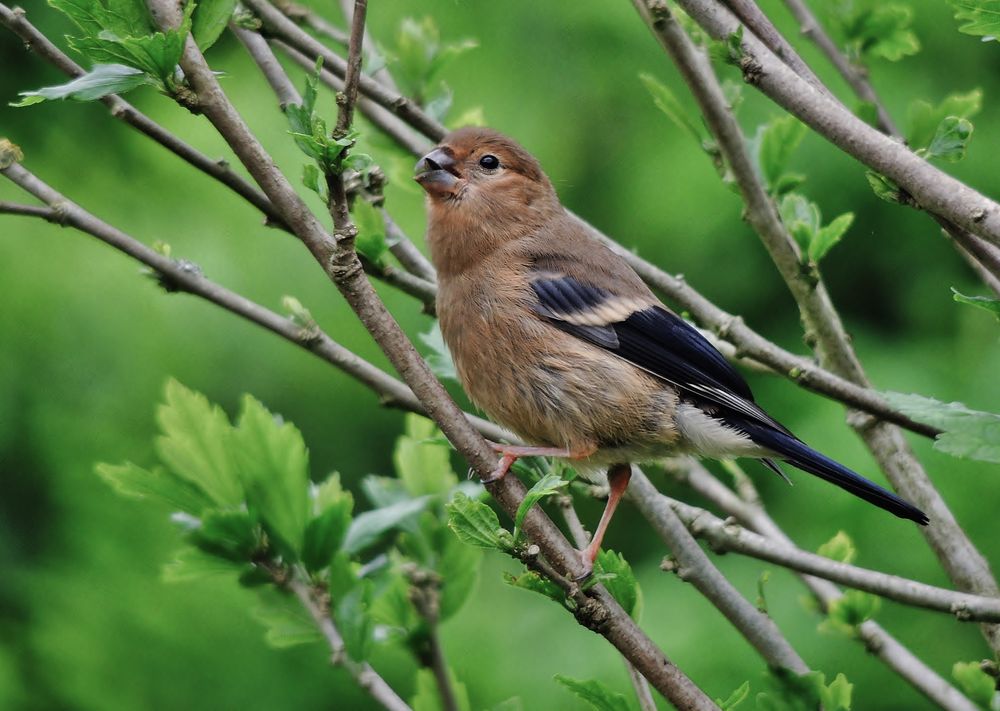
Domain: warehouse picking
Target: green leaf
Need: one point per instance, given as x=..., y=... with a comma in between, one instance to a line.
x=476, y=524
x=805, y=692
x=595, y=694
x=209, y=21
x=534, y=582
x=227, y=534
x=272, y=462
x=775, y=142
x=848, y=611
x=968, y=434
x=548, y=485
x=736, y=698
x=288, y=624
x=194, y=444
x=419, y=56
x=131, y=480
x=326, y=532
x=924, y=118
x=981, y=17
x=368, y=526
x=976, y=684
x=427, y=697
x=100, y=81
x=802, y=218
x=883, y=187
x=439, y=359
x=837, y=695
x=355, y=621
x=987, y=303
x=311, y=179
x=950, y=140
x=193, y=564
x=885, y=32
x=734, y=45
x=828, y=236
x=667, y=102
x=839, y=548
x=421, y=460
x=370, y=241
x=458, y=566
x=622, y=584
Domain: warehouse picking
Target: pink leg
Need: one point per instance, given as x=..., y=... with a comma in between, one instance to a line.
x=511, y=453
x=618, y=478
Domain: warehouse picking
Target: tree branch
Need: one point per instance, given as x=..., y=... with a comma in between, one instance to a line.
x=366, y=677
x=877, y=641
x=960, y=558
x=931, y=188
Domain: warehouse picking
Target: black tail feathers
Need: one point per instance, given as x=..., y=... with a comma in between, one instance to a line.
x=800, y=455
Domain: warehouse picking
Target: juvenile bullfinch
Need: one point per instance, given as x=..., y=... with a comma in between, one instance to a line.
x=558, y=339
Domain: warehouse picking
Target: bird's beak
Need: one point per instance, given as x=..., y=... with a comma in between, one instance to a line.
x=437, y=172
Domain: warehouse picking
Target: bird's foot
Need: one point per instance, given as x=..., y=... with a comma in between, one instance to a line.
x=510, y=453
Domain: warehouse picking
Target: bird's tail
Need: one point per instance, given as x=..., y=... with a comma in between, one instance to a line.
x=800, y=455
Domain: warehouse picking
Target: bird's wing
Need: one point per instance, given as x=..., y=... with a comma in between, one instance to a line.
x=643, y=332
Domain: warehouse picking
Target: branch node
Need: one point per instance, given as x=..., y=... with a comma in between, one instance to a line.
x=591, y=614
x=751, y=69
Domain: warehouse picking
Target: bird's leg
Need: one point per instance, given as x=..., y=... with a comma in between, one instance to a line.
x=511, y=453
x=618, y=478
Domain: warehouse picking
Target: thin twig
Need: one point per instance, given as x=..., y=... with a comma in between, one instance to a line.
x=693, y=566
x=725, y=537
x=964, y=564
x=931, y=188
x=260, y=51
x=855, y=76
x=39, y=44
x=366, y=677
x=877, y=641
x=405, y=251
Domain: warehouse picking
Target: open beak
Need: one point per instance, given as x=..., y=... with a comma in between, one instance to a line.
x=436, y=172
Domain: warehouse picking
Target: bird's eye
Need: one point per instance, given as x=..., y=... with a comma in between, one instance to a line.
x=490, y=162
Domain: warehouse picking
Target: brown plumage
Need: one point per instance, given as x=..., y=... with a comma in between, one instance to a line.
x=558, y=339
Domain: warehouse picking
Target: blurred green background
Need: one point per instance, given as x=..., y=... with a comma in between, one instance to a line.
x=87, y=342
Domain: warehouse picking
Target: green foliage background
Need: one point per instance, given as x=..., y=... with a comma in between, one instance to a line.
x=86, y=344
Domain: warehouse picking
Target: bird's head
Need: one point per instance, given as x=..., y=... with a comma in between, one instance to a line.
x=483, y=189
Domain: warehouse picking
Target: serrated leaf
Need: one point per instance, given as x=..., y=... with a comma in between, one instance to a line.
x=848, y=611
x=439, y=359
x=194, y=444
x=885, y=32
x=427, y=696
x=976, y=684
x=100, y=81
x=883, y=187
x=287, y=624
x=354, y=620
x=534, y=582
x=421, y=460
x=802, y=218
x=775, y=142
x=667, y=102
x=192, y=564
x=548, y=485
x=968, y=433
x=458, y=566
x=370, y=241
x=475, y=523
x=837, y=695
x=209, y=21
x=368, y=526
x=987, y=303
x=924, y=118
x=622, y=584
x=227, y=534
x=828, y=236
x=129, y=479
x=981, y=17
x=273, y=464
x=326, y=532
x=595, y=694
x=950, y=140
x=839, y=548
x=736, y=698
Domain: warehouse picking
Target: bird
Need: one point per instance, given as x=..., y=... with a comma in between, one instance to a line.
x=555, y=336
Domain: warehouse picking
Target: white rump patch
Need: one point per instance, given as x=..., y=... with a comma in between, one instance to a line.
x=704, y=435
